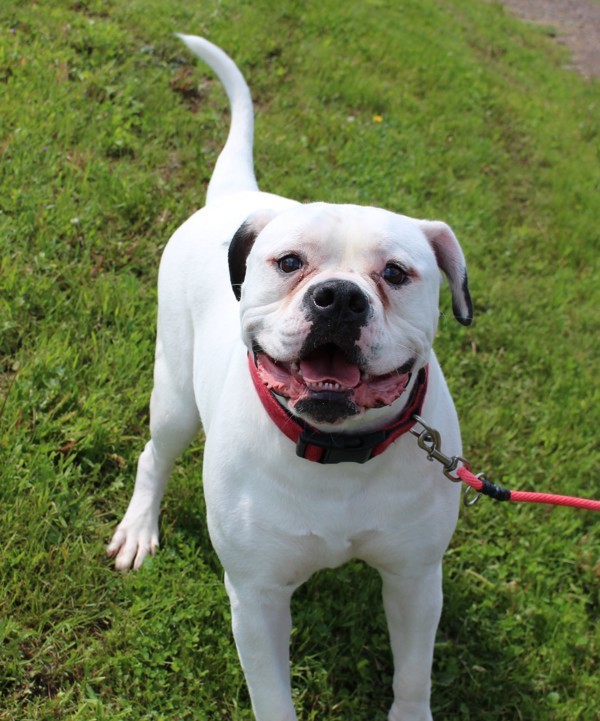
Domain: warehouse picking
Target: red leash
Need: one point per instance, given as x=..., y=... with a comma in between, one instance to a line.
x=430, y=441
x=478, y=483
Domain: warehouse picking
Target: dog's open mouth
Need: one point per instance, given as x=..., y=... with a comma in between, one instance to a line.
x=327, y=375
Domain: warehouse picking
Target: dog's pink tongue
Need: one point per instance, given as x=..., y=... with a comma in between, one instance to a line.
x=329, y=365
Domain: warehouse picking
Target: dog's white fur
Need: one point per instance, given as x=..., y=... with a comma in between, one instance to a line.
x=274, y=518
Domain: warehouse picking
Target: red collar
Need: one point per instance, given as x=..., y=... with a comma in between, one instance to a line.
x=315, y=445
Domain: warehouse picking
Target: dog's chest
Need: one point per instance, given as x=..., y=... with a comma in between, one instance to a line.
x=315, y=550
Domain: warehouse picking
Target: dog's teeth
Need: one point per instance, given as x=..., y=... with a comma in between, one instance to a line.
x=324, y=386
x=295, y=367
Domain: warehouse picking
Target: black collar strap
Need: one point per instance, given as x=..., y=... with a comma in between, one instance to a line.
x=321, y=447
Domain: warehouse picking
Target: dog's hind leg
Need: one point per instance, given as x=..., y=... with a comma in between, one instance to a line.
x=174, y=421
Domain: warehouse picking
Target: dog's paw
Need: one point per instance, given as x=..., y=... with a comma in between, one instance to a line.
x=407, y=711
x=135, y=538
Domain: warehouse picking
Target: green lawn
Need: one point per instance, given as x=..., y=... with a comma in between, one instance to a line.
x=108, y=133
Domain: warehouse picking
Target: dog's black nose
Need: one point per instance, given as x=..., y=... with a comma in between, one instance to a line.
x=340, y=300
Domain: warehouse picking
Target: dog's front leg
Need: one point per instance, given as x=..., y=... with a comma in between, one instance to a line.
x=261, y=627
x=413, y=605
x=174, y=421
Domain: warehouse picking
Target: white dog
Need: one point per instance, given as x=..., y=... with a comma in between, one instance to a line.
x=307, y=462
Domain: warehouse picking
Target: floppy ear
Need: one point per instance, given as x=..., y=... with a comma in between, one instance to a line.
x=241, y=245
x=451, y=261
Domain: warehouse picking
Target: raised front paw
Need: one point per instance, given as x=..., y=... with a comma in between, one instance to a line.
x=135, y=538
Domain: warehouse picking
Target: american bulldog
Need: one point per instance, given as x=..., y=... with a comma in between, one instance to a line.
x=300, y=335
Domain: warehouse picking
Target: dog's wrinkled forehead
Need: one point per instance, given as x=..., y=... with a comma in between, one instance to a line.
x=345, y=237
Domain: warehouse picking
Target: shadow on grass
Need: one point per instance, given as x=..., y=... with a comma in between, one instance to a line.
x=342, y=666
x=478, y=673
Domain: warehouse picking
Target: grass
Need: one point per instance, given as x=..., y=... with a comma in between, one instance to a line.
x=452, y=110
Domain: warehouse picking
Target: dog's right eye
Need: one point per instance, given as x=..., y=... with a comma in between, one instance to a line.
x=290, y=263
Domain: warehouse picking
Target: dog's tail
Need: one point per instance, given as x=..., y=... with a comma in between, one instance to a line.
x=234, y=170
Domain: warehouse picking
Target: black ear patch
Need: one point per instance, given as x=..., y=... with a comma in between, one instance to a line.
x=241, y=245
x=239, y=250
x=466, y=302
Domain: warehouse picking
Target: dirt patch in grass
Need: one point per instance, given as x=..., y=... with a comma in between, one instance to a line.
x=577, y=23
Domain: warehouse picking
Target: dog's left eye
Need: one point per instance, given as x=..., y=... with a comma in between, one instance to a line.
x=290, y=263
x=395, y=274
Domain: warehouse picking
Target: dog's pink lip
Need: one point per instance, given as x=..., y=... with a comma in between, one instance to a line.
x=365, y=390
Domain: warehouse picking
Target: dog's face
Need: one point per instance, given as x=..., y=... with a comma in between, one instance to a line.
x=340, y=303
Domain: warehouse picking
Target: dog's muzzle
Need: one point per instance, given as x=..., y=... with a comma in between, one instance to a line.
x=330, y=379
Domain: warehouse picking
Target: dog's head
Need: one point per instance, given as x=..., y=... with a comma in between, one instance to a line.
x=339, y=303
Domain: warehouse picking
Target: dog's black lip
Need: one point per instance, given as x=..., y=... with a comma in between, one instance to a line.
x=257, y=349
x=328, y=395
x=407, y=367
x=324, y=410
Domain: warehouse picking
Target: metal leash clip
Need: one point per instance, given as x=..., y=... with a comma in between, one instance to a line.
x=471, y=501
x=430, y=440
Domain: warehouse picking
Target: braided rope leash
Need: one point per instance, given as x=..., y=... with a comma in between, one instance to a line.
x=430, y=441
